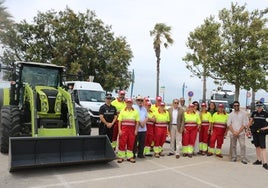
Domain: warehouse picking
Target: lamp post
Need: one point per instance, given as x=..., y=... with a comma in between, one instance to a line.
x=162, y=90
x=183, y=89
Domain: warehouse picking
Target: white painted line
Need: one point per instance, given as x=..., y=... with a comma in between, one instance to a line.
x=163, y=168
x=187, y=175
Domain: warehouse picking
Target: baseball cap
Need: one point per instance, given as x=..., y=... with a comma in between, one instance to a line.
x=122, y=92
x=128, y=100
x=204, y=104
x=220, y=105
x=146, y=99
x=191, y=105
x=159, y=98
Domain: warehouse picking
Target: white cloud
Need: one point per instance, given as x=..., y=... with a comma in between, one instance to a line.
x=134, y=19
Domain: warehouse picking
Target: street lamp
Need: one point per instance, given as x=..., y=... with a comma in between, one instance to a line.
x=183, y=89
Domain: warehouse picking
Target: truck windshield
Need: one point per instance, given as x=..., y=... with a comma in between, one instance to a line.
x=40, y=76
x=91, y=96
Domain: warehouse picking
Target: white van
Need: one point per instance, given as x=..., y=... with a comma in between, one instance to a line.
x=89, y=95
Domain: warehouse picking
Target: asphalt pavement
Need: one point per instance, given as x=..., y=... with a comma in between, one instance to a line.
x=163, y=172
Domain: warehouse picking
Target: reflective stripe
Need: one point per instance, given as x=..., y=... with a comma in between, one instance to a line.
x=190, y=124
x=161, y=124
x=205, y=124
x=150, y=123
x=219, y=125
x=128, y=122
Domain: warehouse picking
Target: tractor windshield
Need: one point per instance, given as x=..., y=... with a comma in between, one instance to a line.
x=40, y=76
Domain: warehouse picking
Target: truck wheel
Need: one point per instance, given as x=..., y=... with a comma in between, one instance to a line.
x=10, y=125
x=84, y=121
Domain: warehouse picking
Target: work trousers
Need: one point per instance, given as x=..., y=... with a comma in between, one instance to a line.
x=115, y=134
x=159, y=138
x=189, y=136
x=203, y=137
x=175, y=140
x=149, y=138
x=233, y=144
x=217, y=135
x=126, y=141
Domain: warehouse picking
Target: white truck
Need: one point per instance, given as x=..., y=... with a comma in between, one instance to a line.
x=89, y=95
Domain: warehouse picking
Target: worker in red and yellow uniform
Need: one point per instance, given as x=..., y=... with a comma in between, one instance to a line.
x=219, y=130
x=119, y=104
x=150, y=130
x=128, y=122
x=160, y=131
x=191, y=123
x=206, y=120
x=155, y=106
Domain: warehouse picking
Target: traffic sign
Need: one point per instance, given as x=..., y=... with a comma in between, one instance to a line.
x=190, y=94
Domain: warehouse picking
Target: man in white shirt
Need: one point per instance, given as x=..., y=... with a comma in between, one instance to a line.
x=237, y=122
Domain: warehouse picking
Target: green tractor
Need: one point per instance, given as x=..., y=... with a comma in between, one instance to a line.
x=40, y=124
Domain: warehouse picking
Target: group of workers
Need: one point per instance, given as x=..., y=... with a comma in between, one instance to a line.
x=139, y=129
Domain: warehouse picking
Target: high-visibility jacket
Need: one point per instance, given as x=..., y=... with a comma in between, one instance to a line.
x=161, y=119
x=191, y=119
x=220, y=120
x=128, y=116
x=119, y=105
x=154, y=108
x=206, y=118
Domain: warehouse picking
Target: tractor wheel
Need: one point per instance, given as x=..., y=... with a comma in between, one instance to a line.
x=84, y=121
x=10, y=125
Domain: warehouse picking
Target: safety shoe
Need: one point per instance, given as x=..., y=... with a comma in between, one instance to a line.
x=120, y=160
x=265, y=166
x=209, y=154
x=244, y=162
x=132, y=160
x=184, y=154
x=161, y=154
x=190, y=155
x=219, y=155
x=177, y=156
x=156, y=155
x=257, y=162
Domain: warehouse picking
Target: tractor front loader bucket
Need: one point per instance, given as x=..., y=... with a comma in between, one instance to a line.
x=32, y=152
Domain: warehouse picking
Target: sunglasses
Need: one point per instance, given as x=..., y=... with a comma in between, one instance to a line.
x=176, y=103
x=140, y=100
x=236, y=105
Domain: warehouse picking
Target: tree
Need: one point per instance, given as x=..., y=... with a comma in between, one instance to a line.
x=5, y=17
x=80, y=42
x=205, y=43
x=239, y=55
x=162, y=35
x=244, y=51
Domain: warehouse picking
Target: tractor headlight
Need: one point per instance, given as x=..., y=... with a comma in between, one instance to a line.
x=43, y=96
x=58, y=109
x=44, y=109
x=43, y=103
x=59, y=97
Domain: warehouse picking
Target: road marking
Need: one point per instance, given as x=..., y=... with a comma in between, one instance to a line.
x=187, y=175
x=163, y=168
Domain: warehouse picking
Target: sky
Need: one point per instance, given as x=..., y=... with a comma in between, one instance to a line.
x=134, y=19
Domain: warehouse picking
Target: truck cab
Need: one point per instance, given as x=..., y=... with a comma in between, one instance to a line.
x=89, y=95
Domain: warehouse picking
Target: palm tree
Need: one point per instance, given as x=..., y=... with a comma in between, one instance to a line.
x=161, y=35
x=5, y=17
